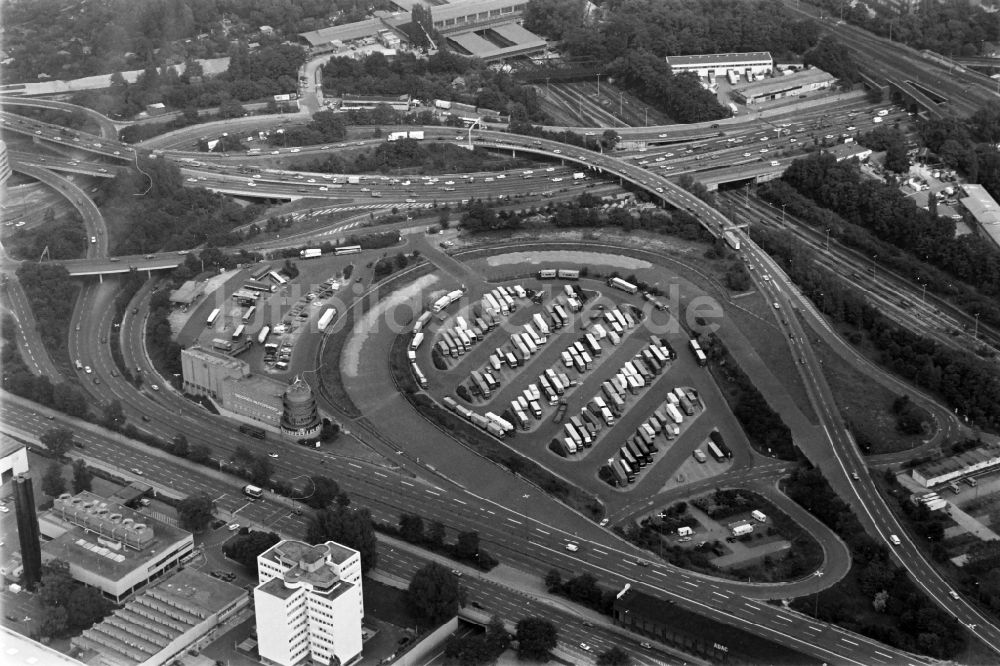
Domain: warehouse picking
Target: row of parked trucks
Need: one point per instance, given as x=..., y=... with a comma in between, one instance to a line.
x=698, y=352
x=639, y=449
x=489, y=422
x=604, y=408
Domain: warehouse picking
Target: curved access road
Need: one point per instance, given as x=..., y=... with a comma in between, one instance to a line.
x=108, y=127
x=93, y=221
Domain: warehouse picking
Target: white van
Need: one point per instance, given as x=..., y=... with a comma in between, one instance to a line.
x=894, y=539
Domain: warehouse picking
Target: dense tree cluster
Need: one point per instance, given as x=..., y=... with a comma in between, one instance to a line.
x=196, y=512
x=411, y=156
x=51, y=293
x=63, y=239
x=252, y=75
x=966, y=383
x=536, y=638
x=586, y=211
x=938, y=281
x=478, y=649
x=434, y=594
x=444, y=75
x=909, y=620
x=352, y=527
x=19, y=380
x=680, y=96
x=66, y=606
x=833, y=57
x=950, y=27
x=893, y=217
x=117, y=35
x=168, y=216
x=466, y=547
x=763, y=426
x=582, y=589
x=969, y=145
x=247, y=545
x=673, y=27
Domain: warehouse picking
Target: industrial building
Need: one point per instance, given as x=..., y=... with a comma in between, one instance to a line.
x=984, y=210
x=799, y=83
x=289, y=409
x=308, y=603
x=465, y=15
x=336, y=38
x=300, y=417
x=506, y=40
x=936, y=472
x=369, y=102
x=187, y=293
x=719, y=64
x=109, y=546
x=158, y=625
x=848, y=151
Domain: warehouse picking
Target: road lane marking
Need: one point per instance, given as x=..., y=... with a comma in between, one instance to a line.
x=431, y=492
x=887, y=656
x=407, y=483
x=847, y=640
x=514, y=521
x=782, y=617
x=381, y=474
x=354, y=465
x=598, y=550
x=542, y=531
x=724, y=596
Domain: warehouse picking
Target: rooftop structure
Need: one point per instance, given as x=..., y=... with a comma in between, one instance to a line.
x=108, y=545
x=785, y=86
x=759, y=62
x=28, y=532
x=299, y=418
x=186, y=293
x=159, y=624
x=936, y=472
x=506, y=40
x=19, y=650
x=308, y=603
x=13, y=458
x=984, y=209
x=464, y=15
x=847, y=151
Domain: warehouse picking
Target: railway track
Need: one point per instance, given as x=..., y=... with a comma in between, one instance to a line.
x=925, y=314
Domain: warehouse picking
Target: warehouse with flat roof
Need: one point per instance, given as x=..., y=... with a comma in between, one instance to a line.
x=790, y=85
x=759, y=62
x=936, y=472
x=984, y=210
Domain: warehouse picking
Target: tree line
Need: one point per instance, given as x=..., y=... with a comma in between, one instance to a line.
x=888, y=215
x=161, y=214
x=967, y=383
x=951, y=27
x=412, y=156
x=444, y=75
x=764, y=427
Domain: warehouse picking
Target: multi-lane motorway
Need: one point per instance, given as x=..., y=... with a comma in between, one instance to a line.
x=544, y=532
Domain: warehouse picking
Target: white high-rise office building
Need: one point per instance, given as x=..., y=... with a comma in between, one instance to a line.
x=308, y=603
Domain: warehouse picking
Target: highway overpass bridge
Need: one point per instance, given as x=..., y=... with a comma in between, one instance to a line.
x=116, y=265
x=65, y=165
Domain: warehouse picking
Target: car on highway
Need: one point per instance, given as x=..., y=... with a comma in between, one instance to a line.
x=585, y=647
x=876, y=119
x=557, y=179
x=87, y=369
x=747, y=155
x=660, y=190
x=294, y=150
x=572, y=546
x=645, y=645
x=854, y=475
x=272, y=454
x=894, y=539
x=233, y=527
x=137, y=471
x=324, y=188
x=777, y=306
x=550, y=169
x=604, y=521
x=951, y=593
x=851, y=128
x=4, y=509
x=557, y=151
x=767, y=278
x=93, y=239
x=775, y=163
x=251, y=184
x=154, y=387
x=763, y=150
x=664, y=136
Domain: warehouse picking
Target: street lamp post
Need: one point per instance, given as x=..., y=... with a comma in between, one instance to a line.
x=975, y=331
x=783, y=213
x=828, y=239
x=598, y=85
x=874, y=262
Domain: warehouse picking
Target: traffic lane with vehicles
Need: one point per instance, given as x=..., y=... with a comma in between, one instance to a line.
x=513, y=600
x=843, y=458
x=93, y=220
x=33, y=350
x=256, y=511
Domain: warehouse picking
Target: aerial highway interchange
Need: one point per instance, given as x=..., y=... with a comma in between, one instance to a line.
x=472, y=494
